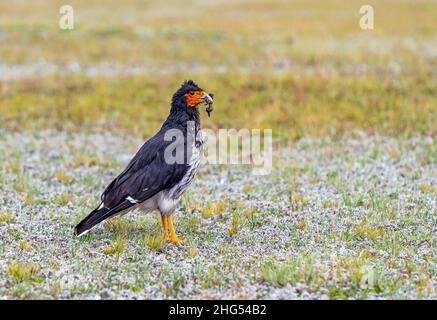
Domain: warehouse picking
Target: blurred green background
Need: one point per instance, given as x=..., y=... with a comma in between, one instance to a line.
x=303, y=68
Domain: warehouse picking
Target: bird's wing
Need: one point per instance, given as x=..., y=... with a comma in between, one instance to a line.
x=147, y=174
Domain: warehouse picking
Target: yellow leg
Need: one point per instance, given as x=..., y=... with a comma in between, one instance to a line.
x=173, y=237
x=164, y=226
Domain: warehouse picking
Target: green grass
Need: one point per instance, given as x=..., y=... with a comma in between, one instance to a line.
x=118, y=226
x=292, y=106
x=7, y=217
x=425, y=187
x=24, y=271
x=291, y=272
x=115, y=248
x=350, y=276
x=155, y=242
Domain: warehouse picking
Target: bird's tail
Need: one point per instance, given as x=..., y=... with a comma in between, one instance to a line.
x=95, y=217
x=98, y=215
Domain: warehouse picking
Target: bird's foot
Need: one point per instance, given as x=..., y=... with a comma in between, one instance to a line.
x=176, y=239
x=173, y=237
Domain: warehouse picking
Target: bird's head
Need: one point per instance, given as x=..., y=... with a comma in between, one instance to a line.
x=189, y=96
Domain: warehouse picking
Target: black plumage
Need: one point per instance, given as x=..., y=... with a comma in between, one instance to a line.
x=148, y=174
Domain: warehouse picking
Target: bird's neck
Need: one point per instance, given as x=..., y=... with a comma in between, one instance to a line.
x=181, y=118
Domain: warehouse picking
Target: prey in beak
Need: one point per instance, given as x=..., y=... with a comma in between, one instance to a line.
x=208, y=99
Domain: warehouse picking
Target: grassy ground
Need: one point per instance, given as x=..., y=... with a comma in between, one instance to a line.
x=349, y=210
x=353, y=218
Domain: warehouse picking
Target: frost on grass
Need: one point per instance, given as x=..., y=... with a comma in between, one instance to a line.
x=351, y=218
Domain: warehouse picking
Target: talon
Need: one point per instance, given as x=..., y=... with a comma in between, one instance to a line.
x=177, y=240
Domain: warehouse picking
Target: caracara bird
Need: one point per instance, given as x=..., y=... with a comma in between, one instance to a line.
x=163, y=168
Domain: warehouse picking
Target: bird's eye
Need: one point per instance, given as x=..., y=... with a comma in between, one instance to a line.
x=191, y=93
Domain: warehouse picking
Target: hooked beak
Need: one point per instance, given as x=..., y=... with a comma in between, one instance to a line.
x=207, y=97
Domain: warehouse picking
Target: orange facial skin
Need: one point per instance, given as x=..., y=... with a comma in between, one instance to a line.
x=193, y=98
